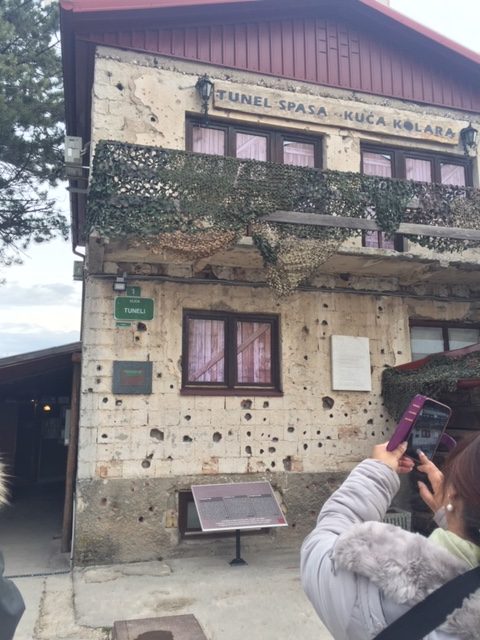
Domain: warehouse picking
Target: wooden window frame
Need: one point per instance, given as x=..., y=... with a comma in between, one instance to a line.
x=231, y=386
x=444, y=325
x=275, y=138
x=399, y=171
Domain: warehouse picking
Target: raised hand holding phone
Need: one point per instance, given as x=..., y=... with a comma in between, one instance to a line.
x=422, y=426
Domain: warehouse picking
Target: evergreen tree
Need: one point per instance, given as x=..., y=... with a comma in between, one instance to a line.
x=31, y=113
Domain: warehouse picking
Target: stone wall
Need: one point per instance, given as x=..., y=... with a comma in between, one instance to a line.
x=137, y=451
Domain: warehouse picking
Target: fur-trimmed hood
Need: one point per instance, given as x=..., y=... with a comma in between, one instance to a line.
x=406, y=567
x=3, y=485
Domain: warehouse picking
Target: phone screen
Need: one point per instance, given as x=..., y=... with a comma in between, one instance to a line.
x=428, y=429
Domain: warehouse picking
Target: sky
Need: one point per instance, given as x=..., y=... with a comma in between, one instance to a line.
x=40, y=303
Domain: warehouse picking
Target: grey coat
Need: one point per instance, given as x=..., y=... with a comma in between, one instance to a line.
x=11, y=601
x=361, y=574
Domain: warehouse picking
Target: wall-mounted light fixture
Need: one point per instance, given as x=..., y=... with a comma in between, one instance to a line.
x=120, y=283
x=468, y=137
x=204, y=87
x=47, y=408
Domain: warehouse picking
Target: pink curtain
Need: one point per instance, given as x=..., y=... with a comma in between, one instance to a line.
x=453, y=174
x=419, y=170
x=377, y=164
x=254, y=353
x=209, y=140
x=250, y=147
x=300, y=154
x=206, y=350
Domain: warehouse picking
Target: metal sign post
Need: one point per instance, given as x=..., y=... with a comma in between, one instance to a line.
x=236, y=507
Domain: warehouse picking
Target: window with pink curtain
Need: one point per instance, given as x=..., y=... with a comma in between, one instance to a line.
x=206, y=350
x=251, y=147
x=377, y=164
x=300, y=154
x=226, y=350
x=254, y=353
x=208, y=140
x=418, y=170
x=453, y=174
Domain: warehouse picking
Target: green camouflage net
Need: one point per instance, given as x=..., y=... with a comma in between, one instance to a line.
x=439, y=375
x=196, y=205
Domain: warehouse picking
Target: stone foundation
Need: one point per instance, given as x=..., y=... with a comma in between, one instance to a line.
x=137, y=520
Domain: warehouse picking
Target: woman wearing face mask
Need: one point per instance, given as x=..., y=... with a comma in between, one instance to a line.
x=361, y=574
x=11, y=602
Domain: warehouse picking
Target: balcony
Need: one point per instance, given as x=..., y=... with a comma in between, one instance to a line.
x=173, y=207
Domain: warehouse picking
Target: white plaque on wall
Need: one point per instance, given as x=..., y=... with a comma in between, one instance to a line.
x=351, y=364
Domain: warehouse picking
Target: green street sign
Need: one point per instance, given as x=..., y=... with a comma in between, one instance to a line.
x=133, y=292
x=133, y=308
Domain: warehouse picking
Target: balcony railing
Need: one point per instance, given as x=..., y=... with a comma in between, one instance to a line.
x=198, y=204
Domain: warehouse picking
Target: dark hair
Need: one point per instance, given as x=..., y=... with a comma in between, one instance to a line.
x=462, y=472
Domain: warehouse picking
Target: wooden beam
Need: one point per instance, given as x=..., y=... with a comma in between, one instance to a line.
x=344, y=222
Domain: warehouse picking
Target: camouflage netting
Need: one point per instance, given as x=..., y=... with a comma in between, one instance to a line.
x=195, y=205
x=439, y=375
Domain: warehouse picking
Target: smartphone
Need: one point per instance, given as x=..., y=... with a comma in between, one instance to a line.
x=422, y=426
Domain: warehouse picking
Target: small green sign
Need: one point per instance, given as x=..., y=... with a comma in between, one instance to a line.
x=133, y=308
x=123, y=325
x=133, y=292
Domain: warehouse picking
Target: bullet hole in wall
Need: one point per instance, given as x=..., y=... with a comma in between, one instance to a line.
x=141, y=519
x=169, y=458
x=271, y=449
x=291, y=429
x=382, y=351
x=261, y=451
x=329, y=437
x=328, y=402
x=330, y=415
x=153, y=119
x=370, y=421
x=365, y=411
x=248, y=416
x=304, y=433
x=99, y=367
x=146, y=464
x=141, y=326
x=157, y=434
x=274, y=439
x=305, y=330
x=187, y=418
x=325, y=305
x=320, y=445
x=104, y=400
x=266, y=404
x=373, y=433
x=249, y=433
x=98, y=380
x=90, y=390
x=119, y=86
x=104, y=435
x=318, y=432
x=187, y=439
x=159, y=375
x=230, y=432
x=118, y=403
x=305, y=388
x=137, y=338
x=324, y=323
x=246, y=404
x=346, y=415
x=217, y=436
x=305, y=446
x=272, y=464
x=380, y=309
x=171, y=386
x=248, y=450
x=151, y=509
x=305, y=357
x=103, y=501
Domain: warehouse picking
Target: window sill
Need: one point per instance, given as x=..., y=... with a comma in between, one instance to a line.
x=204, y=391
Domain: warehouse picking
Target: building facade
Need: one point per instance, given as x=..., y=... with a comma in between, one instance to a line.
x=218, y=347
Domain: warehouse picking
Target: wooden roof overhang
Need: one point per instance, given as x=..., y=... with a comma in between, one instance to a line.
x=359, y=45
x=39, y=371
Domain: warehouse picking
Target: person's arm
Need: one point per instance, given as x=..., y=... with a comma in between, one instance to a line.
x=365, y=495
x=11, y=606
